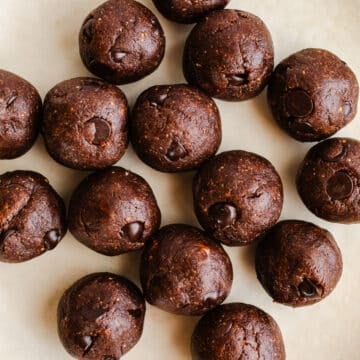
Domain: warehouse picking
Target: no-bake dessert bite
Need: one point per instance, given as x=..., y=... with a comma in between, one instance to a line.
x=20, y=114
x=229, y=55
x=113, y=211
x=298, y=263
x=32, y=216
x=237, y=331
x=85, y=123
x=313, y=94
x=185, y=272
x=175, y=127
x=328, y=180
x=100, y=317
x=187, y=12
x=237, y=195
x=121, y=41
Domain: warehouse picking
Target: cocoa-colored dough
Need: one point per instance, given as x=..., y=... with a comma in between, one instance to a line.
x=187, y=12
x=313, y=94
x=100, y=317
x=32, y=216
x=85, y=123
x=328, y=180
x=113, y=211
x=121, y=41
x=238, y=195
x=20, y=114
x=298, y=263
x=229, y=54
x=237, y=331
x=185, y=272
x=175, y=127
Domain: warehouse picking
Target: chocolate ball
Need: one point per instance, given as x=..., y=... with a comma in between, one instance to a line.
x=313, y=94
x=237, y=197
x=237, y=331
x=32, y=216
x=20, y=114
x=298, y=263
x=185, y=272
x=121, y=41
x=229, y=54
x=175, y=127
x=187, y=12
x=101, y=316
x=113, y=211
x=328, y=179
x=85, y=123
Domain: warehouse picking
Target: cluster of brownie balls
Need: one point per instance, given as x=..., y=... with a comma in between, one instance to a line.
x=238, y=196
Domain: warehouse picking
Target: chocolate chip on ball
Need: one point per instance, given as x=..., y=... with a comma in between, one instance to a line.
x=328, y=179
x=85, y=123
x=185, y=272
x=298, y=263
x=121, y=41
x=101, y=316
x=175, y=127
x=313, y=94
x=32, y=216
x=20, y=114
x=229, y=55
x=113, y=211
x=237, y=331
x=238, y=195
x=187, y=12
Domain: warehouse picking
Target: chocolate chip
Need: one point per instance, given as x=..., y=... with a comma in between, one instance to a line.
x=340, y=186
x=307, y=288
x=347, y=109
x=158, y=99
x=5, y=235
x=97, y=131
x=51, y=239
x=301, y=126
x=224, y=214
x=237, y=79
x=88, y=29
x=117, y=55
x=85, y=342
x=110, y=357
x=299, y=103
x=11, y=99
x=133, y=231
x=136, y=313
x=91, y=313
x=176, y=151
x=333, y=153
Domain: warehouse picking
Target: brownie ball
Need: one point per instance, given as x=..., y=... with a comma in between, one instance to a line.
x=32, y=216
x=229, y=54
x=121, y=41
x=20, y=113
x=237, y=197
x=185, y=272
x=187, y=12
x=328, y=180
x=85, y=123
x=313, y=94
x=298, y=263
x=113, y=211
x=175, y=127
x=237, y=331
x=100, y=317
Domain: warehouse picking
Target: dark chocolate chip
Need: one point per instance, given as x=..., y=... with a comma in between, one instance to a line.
x=88, y=29
x=340, y=186
x=97, y=131
x=176, y=151
x=117, y=55
x=133, y=231
x=91, y=313
x=333, y=153
x=136, y=313
x=237, y=79
x=223, y=213
x=307, y=288
x=299, y=103
x=5, y=235
x=347, y=109
x=51, y=239
x=110, y=357
x=301, y=126
x=158, y=100
x=85, y=342
x=11, y=99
